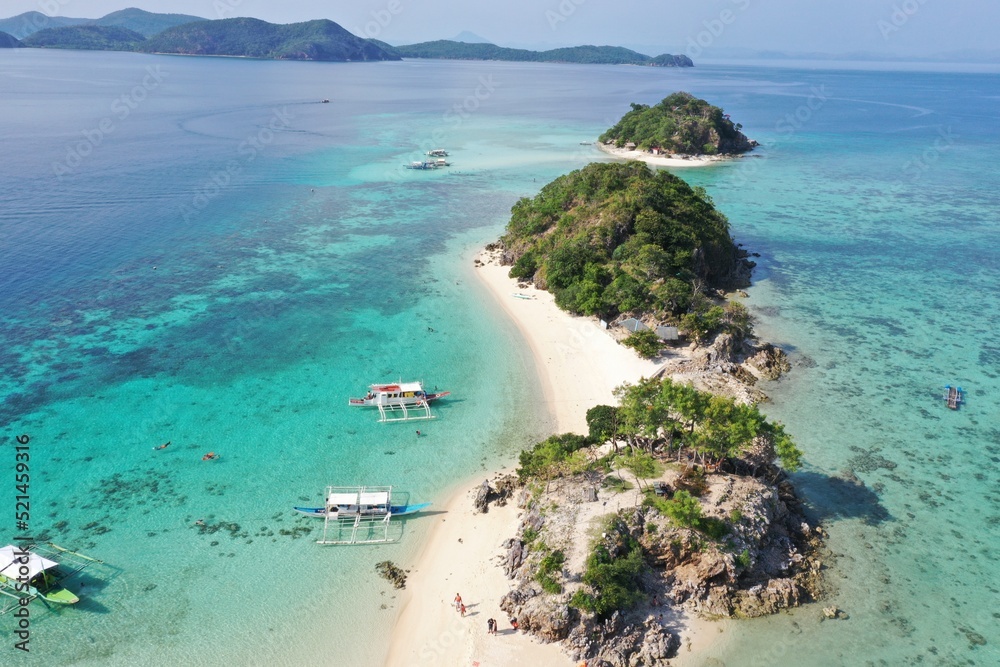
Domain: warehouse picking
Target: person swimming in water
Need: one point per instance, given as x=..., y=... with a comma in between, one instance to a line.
x=163, y=446
x=210, y=456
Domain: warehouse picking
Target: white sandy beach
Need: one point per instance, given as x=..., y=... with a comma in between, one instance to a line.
x=661, y=160
x=580, y=365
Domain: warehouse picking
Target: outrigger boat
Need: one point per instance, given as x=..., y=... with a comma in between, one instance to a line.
x=953, y=396
x=408, y=398
x=359, y=514
x=438, y=152
x=33, y=572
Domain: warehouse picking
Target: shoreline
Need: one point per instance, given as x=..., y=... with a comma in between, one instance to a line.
x=578, y=366
x=664, y=160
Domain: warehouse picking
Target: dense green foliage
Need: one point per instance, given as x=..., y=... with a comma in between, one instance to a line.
x=681, y=123
x=550, y=565
x=715, y=427
x=551, y=457
x=613, y=573
x=646, y=343
x=140, y=21
x=8, y=41
x=685, y=511
x=312, y=40
x=619, y=237
x=596, y=55
x=87, y=37
x=602, y=423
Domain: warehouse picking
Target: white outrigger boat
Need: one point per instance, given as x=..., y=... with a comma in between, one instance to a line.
x=359, y=514
x=408, y=398
x=31, y=572
x=437, y=152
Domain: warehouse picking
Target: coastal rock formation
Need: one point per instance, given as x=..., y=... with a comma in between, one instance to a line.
x=770, y=361
x=762, y=557
x=499, y=492
x=391, y=573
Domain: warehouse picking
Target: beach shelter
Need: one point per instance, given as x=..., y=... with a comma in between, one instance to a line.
x=633, y=325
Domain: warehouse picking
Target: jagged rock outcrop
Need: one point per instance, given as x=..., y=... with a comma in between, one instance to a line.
x=499, y=492
x=546, y=617
x=614, y=644
x=771, y=362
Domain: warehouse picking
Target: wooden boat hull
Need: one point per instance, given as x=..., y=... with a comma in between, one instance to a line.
x=397, y=510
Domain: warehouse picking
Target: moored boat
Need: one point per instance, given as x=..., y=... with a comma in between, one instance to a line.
x=397, y=393
x=33, y=572
x=360, y=514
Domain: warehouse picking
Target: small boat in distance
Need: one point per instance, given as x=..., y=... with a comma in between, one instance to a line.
x=421, y=165
x=518, y=295
x=399, y=397
x=953, y=396
x=437, y=152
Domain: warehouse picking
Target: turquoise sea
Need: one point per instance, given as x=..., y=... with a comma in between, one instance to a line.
x=200, y=251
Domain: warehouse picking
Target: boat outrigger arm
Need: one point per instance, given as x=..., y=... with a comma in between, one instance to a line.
x=37, y=571
x=357, y=515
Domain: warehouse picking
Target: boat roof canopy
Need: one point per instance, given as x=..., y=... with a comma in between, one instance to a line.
x=399, y=386
x=10, y=564
x=368, y=498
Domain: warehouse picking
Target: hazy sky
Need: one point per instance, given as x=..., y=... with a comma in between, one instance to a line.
x=702, y=27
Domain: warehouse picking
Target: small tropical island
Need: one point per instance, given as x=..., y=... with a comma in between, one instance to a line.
x=707, y=521
x=664, y=505
x=591, y=55
x=681, y=125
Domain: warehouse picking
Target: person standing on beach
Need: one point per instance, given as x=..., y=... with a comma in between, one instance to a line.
x=462, y=610
x=458, y=602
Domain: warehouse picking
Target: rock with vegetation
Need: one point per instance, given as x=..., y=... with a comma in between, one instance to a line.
x=594, y=55
x=86, y=37
x=9, y=41
x=681, y=124
x=615, y=238
x=697, y=516
x=312, y=40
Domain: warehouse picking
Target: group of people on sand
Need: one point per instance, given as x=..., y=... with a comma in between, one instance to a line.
x=491, y=624
x=211, y=456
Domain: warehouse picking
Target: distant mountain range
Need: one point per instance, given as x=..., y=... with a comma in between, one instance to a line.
x=594, y=55
x=138, y=30
x=312, y=40
x=140, y=21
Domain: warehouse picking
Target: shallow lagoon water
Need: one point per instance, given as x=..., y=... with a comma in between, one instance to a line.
x=321, y=265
